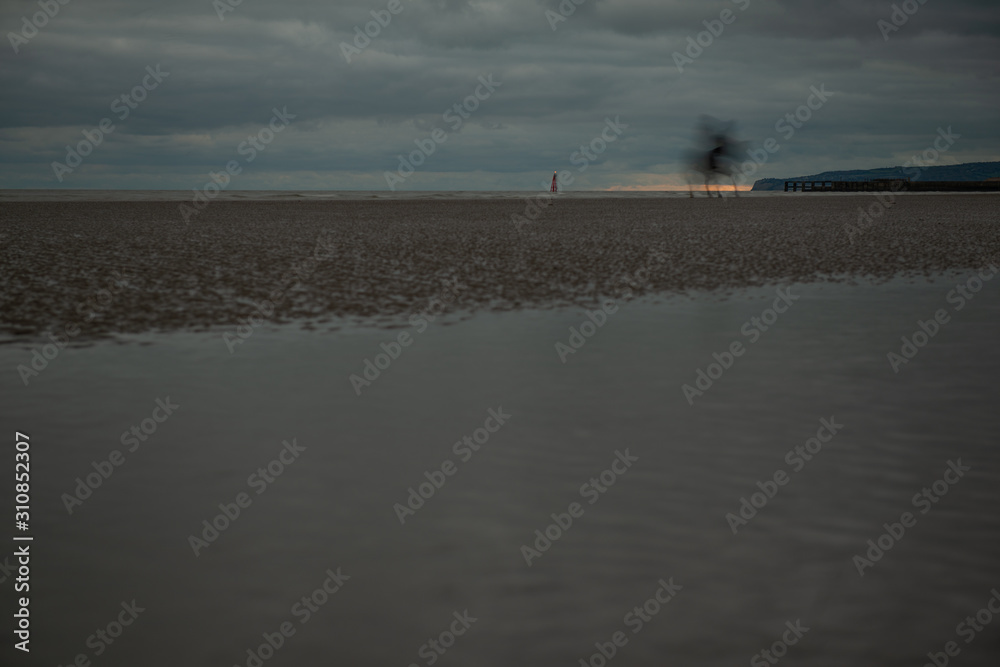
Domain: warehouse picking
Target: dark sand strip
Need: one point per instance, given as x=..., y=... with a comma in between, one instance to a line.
x=389, y=258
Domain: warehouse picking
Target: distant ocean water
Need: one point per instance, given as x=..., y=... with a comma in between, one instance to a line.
x=806, y=363
x=55, y=195
x=332, y=195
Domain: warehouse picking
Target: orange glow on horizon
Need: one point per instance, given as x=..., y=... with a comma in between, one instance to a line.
x=669, y=183
x=672, y=187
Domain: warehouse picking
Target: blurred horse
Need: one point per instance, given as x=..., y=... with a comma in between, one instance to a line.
x=716, y=157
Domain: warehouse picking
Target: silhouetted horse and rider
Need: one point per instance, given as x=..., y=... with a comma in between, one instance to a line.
x=716, y=157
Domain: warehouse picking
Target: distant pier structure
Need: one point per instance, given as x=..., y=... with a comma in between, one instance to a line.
x=894, y=185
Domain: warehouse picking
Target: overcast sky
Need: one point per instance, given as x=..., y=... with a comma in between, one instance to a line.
x=559, y=82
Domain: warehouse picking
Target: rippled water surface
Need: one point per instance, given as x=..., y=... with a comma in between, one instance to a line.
x=664, y=518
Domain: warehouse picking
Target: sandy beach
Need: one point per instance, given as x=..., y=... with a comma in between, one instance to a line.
x=383, y=260
x=695, y=428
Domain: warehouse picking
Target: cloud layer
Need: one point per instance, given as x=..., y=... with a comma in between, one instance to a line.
x=563, y=70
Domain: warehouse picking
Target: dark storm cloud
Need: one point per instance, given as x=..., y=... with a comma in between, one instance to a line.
x=608, y=58
x=813, y=19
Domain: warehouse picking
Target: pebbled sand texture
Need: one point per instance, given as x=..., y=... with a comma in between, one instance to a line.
x=379, y=260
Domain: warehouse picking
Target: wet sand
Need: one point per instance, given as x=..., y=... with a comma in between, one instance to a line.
x=366, y=446
x=664, y=518
x=135, y=266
